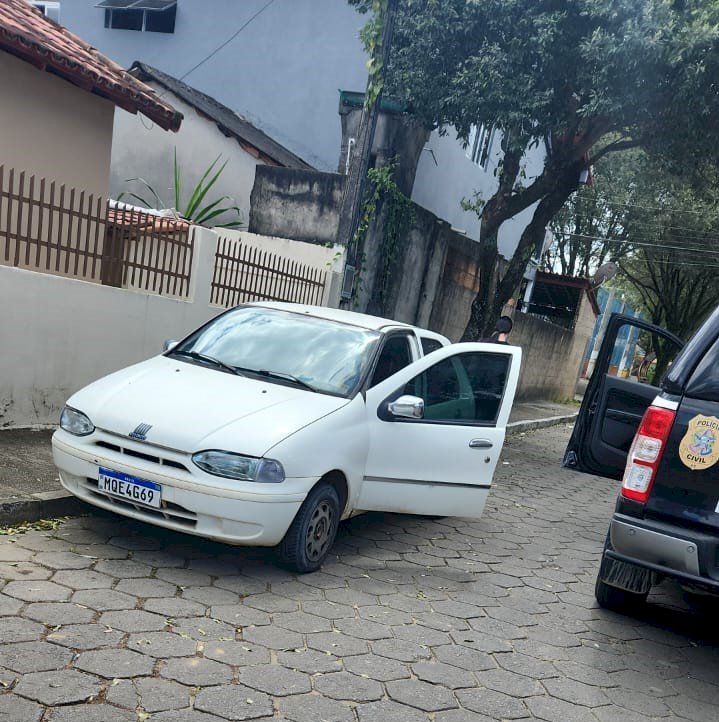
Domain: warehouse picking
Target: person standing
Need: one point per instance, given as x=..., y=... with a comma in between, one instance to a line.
x=501, y=332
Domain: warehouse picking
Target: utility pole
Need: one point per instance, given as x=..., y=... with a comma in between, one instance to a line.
x=353, y=195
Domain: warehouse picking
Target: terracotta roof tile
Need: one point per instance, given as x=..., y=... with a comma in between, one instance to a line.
x=28, y=34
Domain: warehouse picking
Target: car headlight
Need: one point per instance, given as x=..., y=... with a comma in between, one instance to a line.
x=75, y=422
x=237, y=466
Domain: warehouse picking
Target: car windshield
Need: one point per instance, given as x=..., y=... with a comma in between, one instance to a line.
x=290, y=348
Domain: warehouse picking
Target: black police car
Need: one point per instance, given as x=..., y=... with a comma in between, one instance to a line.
x=663, y=442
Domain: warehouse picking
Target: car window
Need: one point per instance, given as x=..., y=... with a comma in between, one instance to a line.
x=429, y=345
x=395, y=355
x=330, y=356
x=468, y=387
x=704, y=382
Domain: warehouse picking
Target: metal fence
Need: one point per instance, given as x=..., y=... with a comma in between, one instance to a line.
x=245, y=273
x=46, y=226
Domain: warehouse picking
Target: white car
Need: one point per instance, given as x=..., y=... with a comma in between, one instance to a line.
x=272, y=422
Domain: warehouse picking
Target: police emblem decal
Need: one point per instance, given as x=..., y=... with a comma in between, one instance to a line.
x=699, y=449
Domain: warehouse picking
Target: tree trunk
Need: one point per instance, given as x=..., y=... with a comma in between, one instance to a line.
x=494, y=293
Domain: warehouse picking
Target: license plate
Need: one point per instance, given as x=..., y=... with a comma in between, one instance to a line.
x=129, y=487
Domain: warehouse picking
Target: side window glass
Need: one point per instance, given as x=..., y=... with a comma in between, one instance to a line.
x=704, y=382
x=395, y=355
x=468, y=387
x=429, y=345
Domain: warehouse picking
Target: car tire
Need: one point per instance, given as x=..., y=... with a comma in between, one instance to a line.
x=616, y=599
x=313, y=531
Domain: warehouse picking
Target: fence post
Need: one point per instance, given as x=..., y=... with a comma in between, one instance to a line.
x=203, y=264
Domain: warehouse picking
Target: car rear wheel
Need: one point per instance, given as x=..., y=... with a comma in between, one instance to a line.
x=313, y=531
x=616, y=599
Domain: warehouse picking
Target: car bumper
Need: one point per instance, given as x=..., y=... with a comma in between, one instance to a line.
x=240, y=513
x=684, y=554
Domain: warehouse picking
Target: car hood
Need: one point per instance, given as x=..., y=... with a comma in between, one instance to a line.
x=191, y=407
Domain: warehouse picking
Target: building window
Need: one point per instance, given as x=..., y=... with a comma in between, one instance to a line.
x=479, y=145
x=48, y=9
x=151, y=16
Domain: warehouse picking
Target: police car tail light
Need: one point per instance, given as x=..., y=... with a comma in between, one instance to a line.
x=646, y=453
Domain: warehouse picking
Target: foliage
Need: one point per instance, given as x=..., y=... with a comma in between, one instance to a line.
x=196, y=209
x=582, y=78
x=385, y=197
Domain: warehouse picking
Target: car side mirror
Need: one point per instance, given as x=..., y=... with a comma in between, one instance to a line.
x=169, y=345
x=409, y=407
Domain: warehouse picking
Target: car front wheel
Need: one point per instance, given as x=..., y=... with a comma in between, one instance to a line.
x=313, y=531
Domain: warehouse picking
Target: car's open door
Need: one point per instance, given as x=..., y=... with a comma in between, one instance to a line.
x=633, y=356
x=436, y=429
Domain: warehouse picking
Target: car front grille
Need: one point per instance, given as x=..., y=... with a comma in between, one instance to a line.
x=161, y=456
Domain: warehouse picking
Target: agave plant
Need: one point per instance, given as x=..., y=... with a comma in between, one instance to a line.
x=197, y=209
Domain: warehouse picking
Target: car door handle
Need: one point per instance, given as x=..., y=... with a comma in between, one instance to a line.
x=480, y=444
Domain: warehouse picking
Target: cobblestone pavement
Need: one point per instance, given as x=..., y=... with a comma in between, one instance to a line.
x=102, y=620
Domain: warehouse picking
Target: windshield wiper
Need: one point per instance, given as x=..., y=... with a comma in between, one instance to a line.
x=282, y=377
x=208, y=360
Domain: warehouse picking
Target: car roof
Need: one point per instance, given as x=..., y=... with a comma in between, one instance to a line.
x=373, y=323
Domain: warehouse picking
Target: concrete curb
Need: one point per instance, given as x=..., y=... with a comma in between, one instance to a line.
x=40, y=506
x=60, y=503
x=518, y=427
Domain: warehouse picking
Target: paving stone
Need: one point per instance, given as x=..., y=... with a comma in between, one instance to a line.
x=189, y=715
x=184, y=577
x=234, y=702
x=57, y=613
x=576, y=692
x=85, y=636
x=37, y=591
x=240, y=584
x=14, y=553
x=556, y=710
x=9, y=606
x=82, y=579
x=275, y=680
x=271, y=603
x=312, y=661
x=689, y=687
x=203, y=628
x=104, y=600
x=424, y=696
x=517, y=685
x=313, y=708
x=273, y=637
x=15, y=629
x=210, y=596
x=465, y=658
x=337, y=643
x=386, y=616
x=331, y=610
x=135, y=542
x=174, y=607
x=162, y=644
x=134, y=620
x=401, y=650
x=388, y=711
x=350, y=687
x=195, y=671
x=350, y=598
x=372, y=666
x=26, y=657
x=481, y=642
x=461, y=715
x=17, y=709
x=23, y=570
x=124, y=568
x=114, y=663
x=146, y=588
x=528, y=666
x=92, y=713
x=58, y=688
x=238, y=654
x=444, y=675
x=154, y=695
x=240, y=616
x=584, y=673
x=301, y=622
x=637, y=701
x=692, y=709
x=493, y=704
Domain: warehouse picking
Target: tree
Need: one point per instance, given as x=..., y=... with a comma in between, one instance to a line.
x=582, y=78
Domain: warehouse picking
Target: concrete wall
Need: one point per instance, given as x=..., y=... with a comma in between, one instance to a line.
x=140, y=149
x=59, y=334
x=298, y=204
x=552, y=355
x=52, y=128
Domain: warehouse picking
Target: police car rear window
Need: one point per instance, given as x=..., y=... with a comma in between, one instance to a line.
x=704, y=382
